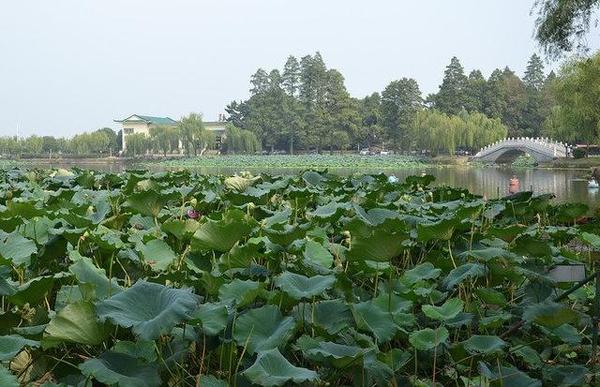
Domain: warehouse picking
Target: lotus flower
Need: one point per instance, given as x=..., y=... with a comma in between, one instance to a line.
x=193, y=214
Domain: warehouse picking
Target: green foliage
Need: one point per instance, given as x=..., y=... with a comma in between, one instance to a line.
x=310, y=278
x=562, y=24
x=576, y=116
x=240, y=141
x=194, y=136
x=579, y=153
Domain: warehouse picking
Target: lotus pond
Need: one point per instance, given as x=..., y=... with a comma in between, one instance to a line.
x=180, y=279
x=306, y=161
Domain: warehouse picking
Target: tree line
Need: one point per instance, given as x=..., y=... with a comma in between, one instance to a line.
x=307, y=106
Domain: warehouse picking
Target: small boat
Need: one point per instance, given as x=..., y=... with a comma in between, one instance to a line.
x=592, y=183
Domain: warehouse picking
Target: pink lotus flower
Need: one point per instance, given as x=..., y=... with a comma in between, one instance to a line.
x=193, y=214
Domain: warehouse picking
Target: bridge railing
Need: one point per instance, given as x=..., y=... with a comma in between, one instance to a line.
x=540, y=144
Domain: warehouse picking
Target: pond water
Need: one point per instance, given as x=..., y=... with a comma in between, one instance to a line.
x=568, y=185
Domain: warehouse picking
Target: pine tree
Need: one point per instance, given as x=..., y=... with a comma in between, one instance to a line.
x=534, y=73
x=451, y=97
x=259, y=82
x=291, y=76
x=475, y=92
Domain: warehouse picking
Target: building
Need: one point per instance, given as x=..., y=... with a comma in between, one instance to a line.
x=141, y=124
x=218, y=128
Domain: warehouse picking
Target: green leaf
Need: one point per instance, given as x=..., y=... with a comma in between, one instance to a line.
x=150, y=309
x=148, y=202
x=181, y=229
x=510, y=376
x=315, y=252
x=212, y=317
x=263, y=328
x=240, y=292
x=75, y=323
x=371, y=318
x=565, y=375
x=450, y=309
x=145, y=350
x=7, y=379
x=379, y=246
x=550, y=314
x=158, y=254
x=491, y=296
x=121, y=370
x=463, y=272
x=427, y=339
x=483, y=344
x=319, y=314
x=221, y=235
x=441, y=230
x=591, y=239
x=300, y=287
x=272, y=369
x=211, y=381
x=421, y=272
x=87, y=272
x=340, y=356
x=12, y=344
x=17, y=249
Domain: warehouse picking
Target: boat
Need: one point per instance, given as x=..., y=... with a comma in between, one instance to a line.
x=592, y=183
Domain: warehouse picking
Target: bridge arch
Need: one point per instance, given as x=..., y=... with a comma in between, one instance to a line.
x=541, y=149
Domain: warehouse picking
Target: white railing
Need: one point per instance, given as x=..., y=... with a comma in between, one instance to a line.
x=543, y=145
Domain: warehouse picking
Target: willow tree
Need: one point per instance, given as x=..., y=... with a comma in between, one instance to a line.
x=194, y=135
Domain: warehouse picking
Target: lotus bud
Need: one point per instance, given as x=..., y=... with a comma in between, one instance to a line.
x=193, y=214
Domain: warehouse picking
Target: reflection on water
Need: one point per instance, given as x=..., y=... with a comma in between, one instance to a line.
x=566, y=185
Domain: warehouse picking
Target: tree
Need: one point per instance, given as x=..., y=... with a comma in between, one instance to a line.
x=493, y=97
x=534, y=81
x=370, y=132
x=137, y=144
x=193, y=134
x=340, y=110
x=313, y=78
x=515, y=101
x=577, y=116
x=240, y=141
x=451, y=98
x=534, y=73
x=291, y=76
x=259, y=82
x=475, y=91
x=400, y=102
x=165, y=138
x=562, y=24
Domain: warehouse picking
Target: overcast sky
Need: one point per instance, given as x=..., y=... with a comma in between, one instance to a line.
x=68, y=66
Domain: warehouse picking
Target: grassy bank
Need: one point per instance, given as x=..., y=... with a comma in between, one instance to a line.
x=585, y=163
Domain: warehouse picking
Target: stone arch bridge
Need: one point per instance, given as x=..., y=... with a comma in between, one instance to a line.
x=541, y=149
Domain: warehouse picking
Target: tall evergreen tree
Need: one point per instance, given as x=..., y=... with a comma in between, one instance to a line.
x=451, y=97
x=400, y=102
x=259, y=82
x=291, y=76
x=474, y=94
x=493, y=97
x=515, y=102
x=534, y=73
x=534, y=80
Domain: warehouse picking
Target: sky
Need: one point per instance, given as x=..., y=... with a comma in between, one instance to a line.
x=68, y=66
